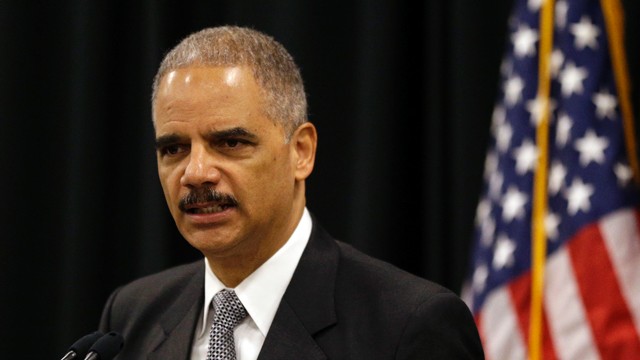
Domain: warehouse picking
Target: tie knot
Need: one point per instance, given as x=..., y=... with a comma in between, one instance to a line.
x=228, y=309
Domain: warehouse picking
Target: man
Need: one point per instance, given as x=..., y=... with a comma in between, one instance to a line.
x=233, y=150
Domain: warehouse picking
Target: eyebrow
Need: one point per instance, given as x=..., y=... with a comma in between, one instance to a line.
x=170, y=139
x=230, y=133
x=166, y=140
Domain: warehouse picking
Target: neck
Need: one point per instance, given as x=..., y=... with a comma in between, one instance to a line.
x=232, y=270
x=231, y=277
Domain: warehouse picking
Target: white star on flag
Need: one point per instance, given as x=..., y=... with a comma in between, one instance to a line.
x=513, y=90
x=488, y=228
x=513, y=204
x=551, y=223
x=485, y=221
x=524, y=41
x=563, y=131
x=557, y=59
x=591, y=148
x=556, y=177
x=585, y=34
x=536, y=108
x=526, y=157
x=490, y=165
x=498, y=118
x=624, y=173
x=503, y=137
x=605, y=104
x=495, y=185
x=561, y=13
x=534, y=5
x=578, y=194
x=571, y=79
x=483, y=211
x=503, y=254
x=480, y=276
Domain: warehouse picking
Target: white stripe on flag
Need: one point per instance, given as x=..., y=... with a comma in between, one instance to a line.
x=568, y=324
x=620, y=233
x=503, y=339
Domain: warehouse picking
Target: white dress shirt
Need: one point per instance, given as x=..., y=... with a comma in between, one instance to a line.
x=260, y=294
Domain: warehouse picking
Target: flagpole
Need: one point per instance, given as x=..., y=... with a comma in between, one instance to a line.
x=539, y=239
x=614, y=20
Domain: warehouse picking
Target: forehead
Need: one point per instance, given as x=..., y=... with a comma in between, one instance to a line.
x=206, y=81
x=207, y=92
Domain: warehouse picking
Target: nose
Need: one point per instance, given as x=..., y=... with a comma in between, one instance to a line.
x=201, y=168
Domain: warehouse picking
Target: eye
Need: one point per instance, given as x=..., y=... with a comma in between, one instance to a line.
x=232, y=143
x=172, y=150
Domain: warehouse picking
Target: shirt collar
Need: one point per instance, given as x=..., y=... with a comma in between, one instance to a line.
x=262, y=291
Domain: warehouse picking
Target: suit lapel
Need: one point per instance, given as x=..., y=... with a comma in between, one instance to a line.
x=308, y=304
x=178, y=324
x=288, y=339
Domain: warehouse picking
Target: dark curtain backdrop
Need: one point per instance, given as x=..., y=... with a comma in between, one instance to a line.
x=401, y=92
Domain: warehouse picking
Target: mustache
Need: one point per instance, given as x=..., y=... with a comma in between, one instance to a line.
x=206, y=195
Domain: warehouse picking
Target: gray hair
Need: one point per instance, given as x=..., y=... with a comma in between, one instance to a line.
x=273, y=68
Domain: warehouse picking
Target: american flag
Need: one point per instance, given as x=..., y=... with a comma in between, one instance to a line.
x=591, y=293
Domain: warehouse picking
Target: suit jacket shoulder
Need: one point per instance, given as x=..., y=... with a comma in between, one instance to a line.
x=417, y=318
x=343, y=304
x=157, y=314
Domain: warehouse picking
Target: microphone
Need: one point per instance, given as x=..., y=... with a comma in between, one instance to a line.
x=106, y=348
x=81, y=346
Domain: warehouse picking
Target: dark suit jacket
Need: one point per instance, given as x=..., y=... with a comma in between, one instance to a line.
x=340, y=304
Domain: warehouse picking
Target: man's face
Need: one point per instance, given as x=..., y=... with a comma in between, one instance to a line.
x=228, y=176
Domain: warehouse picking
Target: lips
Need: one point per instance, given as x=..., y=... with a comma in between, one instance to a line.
x=209, y=208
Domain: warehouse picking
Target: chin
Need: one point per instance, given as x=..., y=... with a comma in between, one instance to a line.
x=211, y=244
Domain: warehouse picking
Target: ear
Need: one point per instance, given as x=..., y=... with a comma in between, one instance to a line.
x=304, y=142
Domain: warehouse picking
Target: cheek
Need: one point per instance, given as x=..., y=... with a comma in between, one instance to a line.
x=278, y=174
x=275, y=168
x=170, y=181
x=260, y=182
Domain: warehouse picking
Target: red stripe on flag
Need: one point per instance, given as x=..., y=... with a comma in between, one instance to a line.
x=548, y=351
x=520, y=291
x=478, y=318
x=607, y=311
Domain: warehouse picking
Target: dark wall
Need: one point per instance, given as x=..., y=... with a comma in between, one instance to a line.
x=401, y=93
